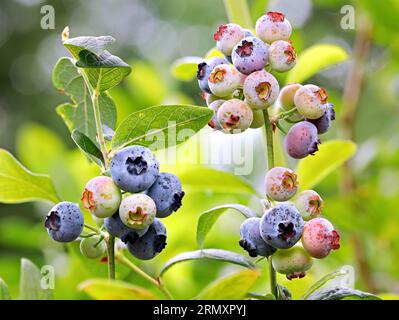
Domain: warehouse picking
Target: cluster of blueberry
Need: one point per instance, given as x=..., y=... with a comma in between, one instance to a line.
x=283, y=225
x=130, y=214
x=237, y=86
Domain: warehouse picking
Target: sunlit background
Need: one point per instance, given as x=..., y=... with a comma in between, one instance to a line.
x=151, y=35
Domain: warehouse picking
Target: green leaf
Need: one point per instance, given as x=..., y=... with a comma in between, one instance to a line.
x=317, y=285
x=185, y=69
x=340, y=293
x=332, y=154
x=18, y=184
x=209, y=217
x=79, y=113
x=283, y=293
x=314, y=59
x=232, y=287
x=156, y=123
x=103, y=71
x=4, y=292
x=87, y=146
x=213, y=254
x=92, y=44
x=258, y=296
x=30, y=287
x=103, y=289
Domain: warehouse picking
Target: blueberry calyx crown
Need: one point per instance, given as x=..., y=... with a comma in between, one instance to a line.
x=232, y=121
x=219, y=32
x=286, y=230
x=201, y=70
x=217, y=75
x=322, y=95
x=245, y=49
x=290, y=53
x=263, y=90
x=88, y=200
x=177, y=200
x=136, y=166
x=159, y=243
x=276, y=16
x=314, y=147
x=53, y=221
x=294, y=275
x=248, y=247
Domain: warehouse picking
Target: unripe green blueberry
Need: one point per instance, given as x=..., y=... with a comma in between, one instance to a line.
x=319, y=238
x=311, y=101
x=281, y=183
x=92, y=247
x=258, y=119
x=137, y=211
x=215, y=105
x=101, y=196
x=273, y=26
x=286, y=99
x=282, y=56
x=224, y=80
x=261, y=89
x=309, y=204
x=292, y=262
x=227, y=36
x=234, y=116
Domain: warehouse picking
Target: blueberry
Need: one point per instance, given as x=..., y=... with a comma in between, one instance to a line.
x=302, y=140
x=134, y=169
x=282, y=226
x=251, y=240
x=205, y=68
x=224, y=80
x=166, y=193
x=151, y=243
x=258, y=119
x=248, y=33
x=273, y=26
x=64, y=222
x=117, y=228
x=137, y=211
x=311, y=101
x=319, y=238
x=309, y=204
x=93, y=247
x=281, y=183
x=261, y=89
x=234, y=116
x=102, y=197
x=249, y=55
x=215, y=105
x=293, y=262
x=286, y=99
x=282, y=56
x=227, y=36
x=324, y=122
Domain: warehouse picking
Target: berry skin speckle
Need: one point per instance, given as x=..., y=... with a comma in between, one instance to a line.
x=234, y=116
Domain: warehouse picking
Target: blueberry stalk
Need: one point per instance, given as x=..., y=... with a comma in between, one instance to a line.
x=111, y=257
x=270, y=164
x=157, y=282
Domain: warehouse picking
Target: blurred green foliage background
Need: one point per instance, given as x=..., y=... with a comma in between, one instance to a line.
x=151, y=35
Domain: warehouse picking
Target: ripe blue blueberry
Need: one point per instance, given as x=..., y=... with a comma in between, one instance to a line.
x=282, y=226
x=204, y=70
x=151, y=243
x=302, y=140
x=249, y=55
x=117, y=228
x=324, y=122
x=64, y=222
x=134, y=169
x=251, y=240
x=167, y=194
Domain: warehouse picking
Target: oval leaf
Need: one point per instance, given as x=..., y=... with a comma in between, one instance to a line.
x=103, y=289
x=330, y=156
x=339, y=293
x=232, y=287
x=18, y=184
x=314, y=59
x=209, y=217
x=162, y=124
x=213, y=254
x=30, y=287
x=88, y=147
x=185, y=69
x=4, y=292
